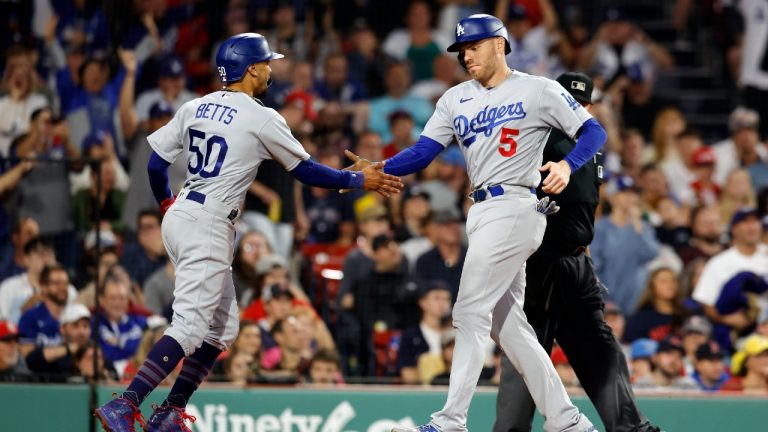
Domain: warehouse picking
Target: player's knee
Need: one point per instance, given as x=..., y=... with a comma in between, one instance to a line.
x=189, y=337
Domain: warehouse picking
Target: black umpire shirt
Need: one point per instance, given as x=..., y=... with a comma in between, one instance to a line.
x=574, y=225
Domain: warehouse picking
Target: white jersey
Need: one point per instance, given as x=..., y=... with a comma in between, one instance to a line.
x=502, y=131
x=224, y=136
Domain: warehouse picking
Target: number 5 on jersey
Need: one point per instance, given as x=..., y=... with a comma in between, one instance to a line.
x=215, y=144
x=507, y=144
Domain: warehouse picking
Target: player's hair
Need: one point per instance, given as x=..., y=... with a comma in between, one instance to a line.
x=45, y=275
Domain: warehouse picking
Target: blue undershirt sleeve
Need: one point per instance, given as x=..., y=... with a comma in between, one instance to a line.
x=591, y=139
x=157, y=169
x=414, y=158
x=316, y=174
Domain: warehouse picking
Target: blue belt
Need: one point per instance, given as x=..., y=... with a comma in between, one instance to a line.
x=482, y=194
x=200, y=198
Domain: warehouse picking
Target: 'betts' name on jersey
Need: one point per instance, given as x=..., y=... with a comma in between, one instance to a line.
x=502, y=130
x=224, y=136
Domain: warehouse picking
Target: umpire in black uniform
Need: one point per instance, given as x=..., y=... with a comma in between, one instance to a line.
x=563, y=299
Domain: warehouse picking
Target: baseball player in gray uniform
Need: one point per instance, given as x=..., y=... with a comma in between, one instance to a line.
x=223, y=136
x=501, y=120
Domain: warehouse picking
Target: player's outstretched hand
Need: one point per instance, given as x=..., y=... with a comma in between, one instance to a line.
x=547, y=207
x=558, y=177
x=358, y=165
x=378, y=181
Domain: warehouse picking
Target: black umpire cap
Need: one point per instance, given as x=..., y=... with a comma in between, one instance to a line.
x=578, y=85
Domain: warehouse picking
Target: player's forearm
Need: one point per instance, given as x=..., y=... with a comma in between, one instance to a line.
x=319, y=175
x=590, y=141
x=157, y=169
x=414, y=158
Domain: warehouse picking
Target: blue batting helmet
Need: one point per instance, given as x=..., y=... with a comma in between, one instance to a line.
x=477, y=27
x=240, y=51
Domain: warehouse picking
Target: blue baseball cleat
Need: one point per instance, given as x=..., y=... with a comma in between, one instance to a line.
x=168, y=419
x=429, y=427
x=119, y=415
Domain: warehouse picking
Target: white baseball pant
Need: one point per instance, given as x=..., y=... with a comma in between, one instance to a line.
x=503, y=232
x=199, y=239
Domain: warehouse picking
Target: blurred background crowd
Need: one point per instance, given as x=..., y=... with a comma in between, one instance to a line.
x=353, y=287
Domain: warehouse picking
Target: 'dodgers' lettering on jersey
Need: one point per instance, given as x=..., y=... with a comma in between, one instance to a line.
x=486, y=121
x=216, y=112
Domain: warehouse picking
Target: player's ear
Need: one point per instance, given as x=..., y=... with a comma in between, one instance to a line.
x=252, y=70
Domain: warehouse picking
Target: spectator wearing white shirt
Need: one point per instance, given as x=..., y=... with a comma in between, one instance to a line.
x=21, y=101
x=532, y=45
x=16, y=290
x=619, y=45
x=170, y=89
x=742, y=148
x=679, y=169
x=732, y=276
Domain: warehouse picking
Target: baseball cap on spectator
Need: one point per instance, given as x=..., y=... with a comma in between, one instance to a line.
x=452, y=156
x=753, y=345
x=171, y=67
x=709, y=351
x=579, y=85
x=697, y=324
x=703, y=156
x=415, y=191
x=612, y=308
x=270, y=262
x=373, y=212
x=433, y=285
x=8, y=331
x=672, y=343
x=743, y=118
x=160, y=109
x=399, y=115
x=276, y=291
x=446, y=216
x=108, y=239
x=93, y=139
x=643, y=348
x=74, y=312
x=517, y=12
x=743, y=214
x=448, y=337
x=622, y=183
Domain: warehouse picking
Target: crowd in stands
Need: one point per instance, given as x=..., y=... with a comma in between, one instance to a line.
x=352, y=287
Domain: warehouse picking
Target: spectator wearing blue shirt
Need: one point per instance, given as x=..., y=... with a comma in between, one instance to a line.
x=397, y=81
x=120, y=331
x=623, y=245
x=710, y=371
x=147, y=254
x=39, y=326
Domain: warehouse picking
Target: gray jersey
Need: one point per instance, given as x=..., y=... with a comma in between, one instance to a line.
x=502, y=131
x=224, y=136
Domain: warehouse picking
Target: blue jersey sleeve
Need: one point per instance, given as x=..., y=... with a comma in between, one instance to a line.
x=591, y=139
x=414, y=158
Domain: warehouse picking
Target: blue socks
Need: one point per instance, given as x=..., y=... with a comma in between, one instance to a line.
x=196, y=368
x=161, y=361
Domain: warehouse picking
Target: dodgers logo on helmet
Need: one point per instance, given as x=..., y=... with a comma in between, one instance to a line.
x=477, y=27
x=459, y=29
x=240, y=51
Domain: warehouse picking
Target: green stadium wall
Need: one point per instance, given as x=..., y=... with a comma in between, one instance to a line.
x=26, y=408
